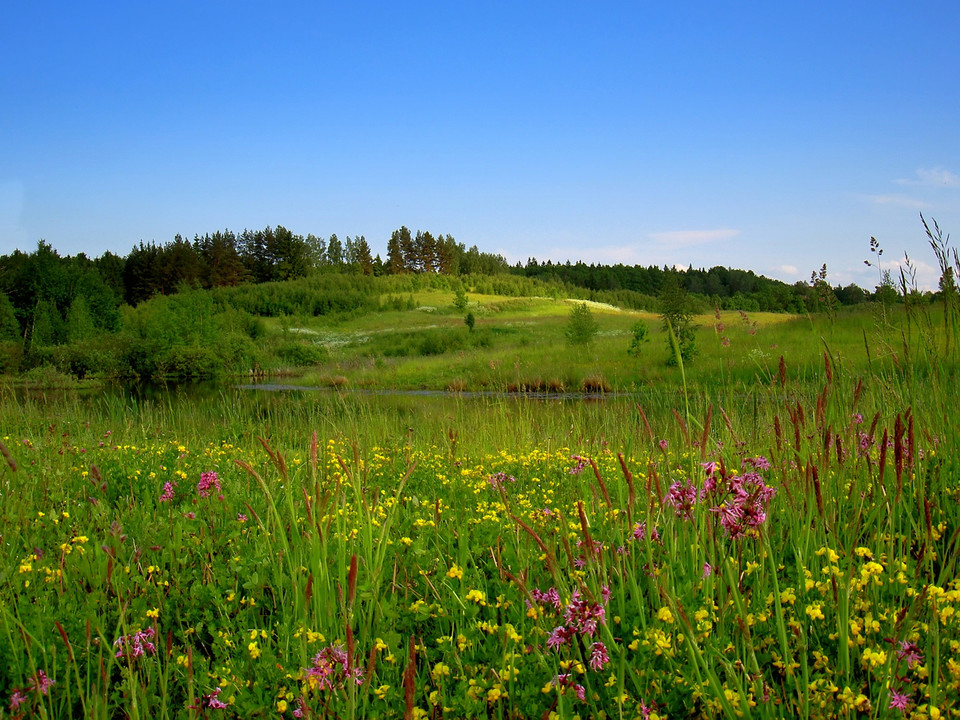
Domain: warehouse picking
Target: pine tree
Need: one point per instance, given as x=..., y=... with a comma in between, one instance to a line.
x=396, y=262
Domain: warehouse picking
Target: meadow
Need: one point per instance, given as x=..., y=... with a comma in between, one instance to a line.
x=770, y=532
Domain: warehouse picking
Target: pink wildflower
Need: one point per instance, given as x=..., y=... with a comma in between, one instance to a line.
x=213, y=701
x=498, y=479
x=583, y=616
x=682, y=497
x=746, y=507
x=564, y=681
x=330, y=669
x=136, y=644
x=640, y=532
x=645, y=709
x=599, y=656
x=899, y=701
x=17, y=698
x=549, y=597
x=759, y=463
x=168, y=491
x=208, y=480
x=910, y=652
x=41, y=683
x=558, y=637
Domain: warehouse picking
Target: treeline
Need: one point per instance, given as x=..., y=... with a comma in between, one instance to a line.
x=225, y=259
x=726, y=288
x=47, y=300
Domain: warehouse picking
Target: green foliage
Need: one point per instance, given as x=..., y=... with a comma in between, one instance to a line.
x=886, y=292
x=637, y=287
x=677, y=320
x=300, y=354
x=317, y=295
x=581, y=328
x=11, y=356
x=822, y=296
x=470, y=321
x=460, y=298
x=220, y=261
x=101, y=356
x=48, y=326
x=190, y=362
x=427, y=342
x=949, y=261
x=178, y=336
x=9, y=327
x=79, y=322
x=640, y=337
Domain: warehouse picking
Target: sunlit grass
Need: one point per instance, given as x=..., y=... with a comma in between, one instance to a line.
x=520, y=342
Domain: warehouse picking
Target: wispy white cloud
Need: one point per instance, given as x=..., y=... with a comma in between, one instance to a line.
x=898, y=200
x=788, y=270
x=926, y=276
x=937, y=176
x=686, y=238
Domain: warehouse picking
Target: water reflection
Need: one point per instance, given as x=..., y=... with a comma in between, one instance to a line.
x=530, y=395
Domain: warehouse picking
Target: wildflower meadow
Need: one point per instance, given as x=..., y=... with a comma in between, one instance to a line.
x=790, y=552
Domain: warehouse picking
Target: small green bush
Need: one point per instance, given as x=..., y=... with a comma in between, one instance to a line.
x=191, y=361
x=581, y=327
x=301, y=354
x=641, y=336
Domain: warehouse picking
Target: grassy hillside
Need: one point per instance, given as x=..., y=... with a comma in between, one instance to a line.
x=519, y=343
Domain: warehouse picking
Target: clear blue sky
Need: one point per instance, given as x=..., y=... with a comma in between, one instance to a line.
x=761, y=135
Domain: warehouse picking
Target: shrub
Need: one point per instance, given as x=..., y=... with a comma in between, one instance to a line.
x=641, y=336
x=581, y=327
x=191, y=361
x=300, y=354
x=11, y=357
x=677, y=320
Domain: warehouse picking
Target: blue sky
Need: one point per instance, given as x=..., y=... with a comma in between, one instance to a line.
x=760, y=135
